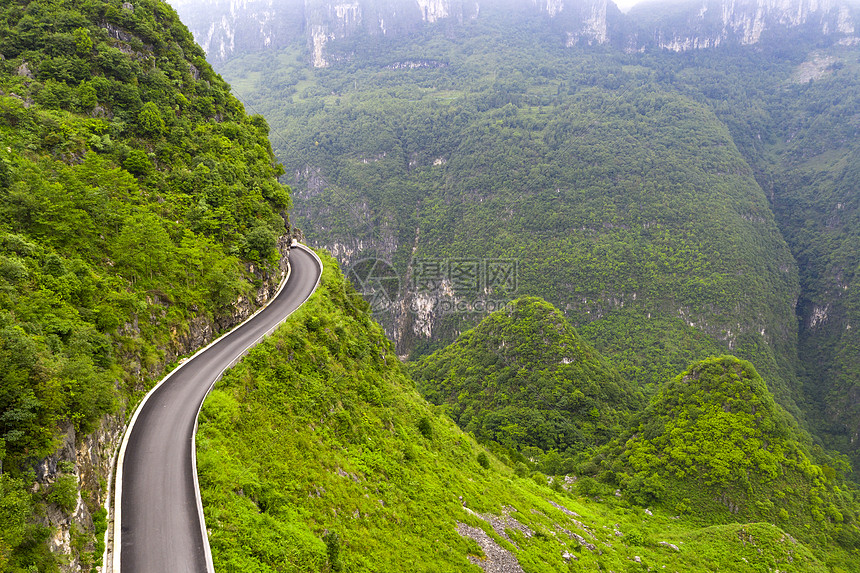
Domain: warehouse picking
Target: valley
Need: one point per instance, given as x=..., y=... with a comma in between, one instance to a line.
x=658, y=196
x=589, y=296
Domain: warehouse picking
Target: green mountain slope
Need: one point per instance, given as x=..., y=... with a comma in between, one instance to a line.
x=815, y=180
x=138, y=204
x=140, y=212
x=715, y=444
x=652, y=197
x=790, y=110
x=613, y=190
x=525, y=379
x=317, y=454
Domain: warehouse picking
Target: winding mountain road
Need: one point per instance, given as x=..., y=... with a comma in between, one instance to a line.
x=158, y=525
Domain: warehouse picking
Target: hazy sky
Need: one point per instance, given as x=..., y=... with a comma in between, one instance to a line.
x=625, y=5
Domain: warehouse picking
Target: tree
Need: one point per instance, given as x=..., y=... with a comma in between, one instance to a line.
x=149, y=120
x=137, y=162
x=259, y=243
x=83, y=42
x=143, y=247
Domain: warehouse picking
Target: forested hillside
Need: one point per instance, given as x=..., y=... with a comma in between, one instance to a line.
x=672, y=205
x=668, y=208
x=798, y=127
x=317, y=454
x=713, y=444
x=139, y=215
x=815, y=184
x=524, y=381
x=616, y=195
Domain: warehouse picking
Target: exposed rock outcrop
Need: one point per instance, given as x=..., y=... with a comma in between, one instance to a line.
x=225, y=28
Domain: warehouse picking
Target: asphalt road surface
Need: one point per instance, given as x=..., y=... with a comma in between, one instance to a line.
x=159, y=524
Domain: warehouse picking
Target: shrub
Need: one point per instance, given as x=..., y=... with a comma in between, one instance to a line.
x=13, y=269
x=149, y=120
x=64, y=492
x=634, y=537
x=682, y=506
x=587, y=486
x=259, y=243
x=313, y=324
x=332, y=543
x=136, y=162
x=66, y=467
x=483, y=460
x=425, y=427
x=100, y=525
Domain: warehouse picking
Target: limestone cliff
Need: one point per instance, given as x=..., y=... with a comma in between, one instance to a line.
x=225, y=28
x=713, y=23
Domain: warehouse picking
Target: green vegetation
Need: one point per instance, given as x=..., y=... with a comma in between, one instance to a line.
x=523, y=381
x=17, y=532
x=714, y=444
x=135, y=194
x=646, y=350
x=816, y=175
x=653, y=197
x=317, y=454
x=618, y=192
x=788, y=108
x=645, y=195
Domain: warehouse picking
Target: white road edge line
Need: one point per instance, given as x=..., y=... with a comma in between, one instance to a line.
x=117, y=522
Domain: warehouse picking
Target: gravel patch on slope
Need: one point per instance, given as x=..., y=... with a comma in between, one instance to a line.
x=498, y=559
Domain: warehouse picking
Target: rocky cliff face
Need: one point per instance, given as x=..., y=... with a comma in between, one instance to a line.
x=713, y=23
x=325, y=21
x=225, y=28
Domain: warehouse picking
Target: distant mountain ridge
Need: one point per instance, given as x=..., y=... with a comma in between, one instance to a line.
x=229, y=27
x=712, y=23
x=225, y=28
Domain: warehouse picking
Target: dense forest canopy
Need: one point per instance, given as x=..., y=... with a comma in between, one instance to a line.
x=525, y=381
x=546, y=164
x=713, y=443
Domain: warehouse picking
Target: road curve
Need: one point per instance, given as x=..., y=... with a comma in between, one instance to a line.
x=159, y=524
